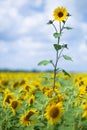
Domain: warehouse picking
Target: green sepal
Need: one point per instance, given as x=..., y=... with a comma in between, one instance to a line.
x=44, y=62
x=50, y=22
x=57, y=35
x=64, y=21
x=67, y=57
x=69, y=15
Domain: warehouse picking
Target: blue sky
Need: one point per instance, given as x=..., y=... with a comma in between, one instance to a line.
x=26, y=39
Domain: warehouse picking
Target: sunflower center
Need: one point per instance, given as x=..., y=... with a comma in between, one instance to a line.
x=22, y=82
x=29, y=115
x=31, y=101
x=54, y=112
x=14, y=105
x=60, y=14
x=8, y=98
x=27, y=88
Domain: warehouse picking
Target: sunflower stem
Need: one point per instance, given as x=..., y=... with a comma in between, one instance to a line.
x=57, y=58
x=55, y=27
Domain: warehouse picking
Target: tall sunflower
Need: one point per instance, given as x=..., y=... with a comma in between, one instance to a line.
x=26, y=118
x=60, y=14
x=54, y=112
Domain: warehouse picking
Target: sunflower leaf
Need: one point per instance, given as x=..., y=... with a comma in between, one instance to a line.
x=67, y=57
x=57, y=35
x=57, y=47
x=68, y=28
x=66, y=73
x=64, y=46
x=44, y=62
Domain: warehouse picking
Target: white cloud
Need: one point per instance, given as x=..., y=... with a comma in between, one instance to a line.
x=31, y=35
x=83, y=48
x=29, y=23
x=3, y=47
x=38, y=2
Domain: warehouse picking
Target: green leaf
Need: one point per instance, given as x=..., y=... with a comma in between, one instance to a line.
x=50, y=22
x=67, y=57
x=68, y=28
x=57, y=47
x=44, y=62
x=66, y=73
x=48, y=76
x=57, y=35
x=64, y=46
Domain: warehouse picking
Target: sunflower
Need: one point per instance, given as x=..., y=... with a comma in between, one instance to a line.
x=8, y=97
x=23, y=96
x=26, y=87
x=31, y=100
x=15, y=85
x=84, y=106
x=26, y=118
x=14, y=104
x=22, y=82
x=57, y=99
x=54, y=113
x=60, y=14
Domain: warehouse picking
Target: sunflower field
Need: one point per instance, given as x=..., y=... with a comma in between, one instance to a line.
x=28, y=101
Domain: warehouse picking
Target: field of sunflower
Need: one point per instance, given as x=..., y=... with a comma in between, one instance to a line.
x=28, y=101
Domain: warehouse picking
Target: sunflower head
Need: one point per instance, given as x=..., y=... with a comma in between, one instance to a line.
x=14, y=104
x=26, y=118
x=60, y=14
x=54, y=113
x=31, y=100
x=8, y=97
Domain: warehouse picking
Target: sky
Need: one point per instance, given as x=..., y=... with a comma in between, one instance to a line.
x=26, y=39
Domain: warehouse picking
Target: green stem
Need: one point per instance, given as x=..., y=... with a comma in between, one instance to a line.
x=57, y=58
x=58, y=55
x=55, y=27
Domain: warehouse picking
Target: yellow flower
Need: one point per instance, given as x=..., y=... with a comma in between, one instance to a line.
x=26, y=118
x=15, y=85
x=60, y=14
x=23, y=81
x=84, y=115
x=54, y=113
x=23, y=96
x=8, y=97
x=27, y=87
x=14, y=104
x=57, y=99
x=31, y=100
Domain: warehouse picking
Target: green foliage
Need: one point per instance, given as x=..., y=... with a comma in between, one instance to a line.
x=44, y=62
x=65, y=72
x=57, y=35
x=67, y=57
x=50, y=22
x=57, y=47
x=64, y=46
x=68, y=28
